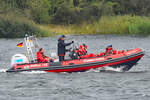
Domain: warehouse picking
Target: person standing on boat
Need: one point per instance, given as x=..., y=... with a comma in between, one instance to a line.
x=62, y=47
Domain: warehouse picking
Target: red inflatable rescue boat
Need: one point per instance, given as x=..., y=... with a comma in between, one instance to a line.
x=119, y=59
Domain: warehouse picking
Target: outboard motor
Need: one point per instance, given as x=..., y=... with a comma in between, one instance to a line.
x=19, y=59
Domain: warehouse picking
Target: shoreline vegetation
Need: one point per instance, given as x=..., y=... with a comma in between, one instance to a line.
x=54, y=17
x=121, y=25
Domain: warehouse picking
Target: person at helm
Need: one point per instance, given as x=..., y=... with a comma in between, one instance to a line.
x=62, y=47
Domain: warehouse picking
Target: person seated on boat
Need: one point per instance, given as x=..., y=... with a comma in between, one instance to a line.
x=82, y=50
x=62, y=47
x=109, y=50
x=41, y=57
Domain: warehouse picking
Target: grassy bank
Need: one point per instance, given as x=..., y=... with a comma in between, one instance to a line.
x=122, y=25
x=13, y=27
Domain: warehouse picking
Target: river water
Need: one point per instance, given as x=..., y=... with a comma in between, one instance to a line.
x=90, y=85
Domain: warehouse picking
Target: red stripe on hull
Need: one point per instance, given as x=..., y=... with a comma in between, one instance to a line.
x=92, y=67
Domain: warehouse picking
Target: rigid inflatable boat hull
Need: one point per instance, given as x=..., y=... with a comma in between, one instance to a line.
x=126, y=60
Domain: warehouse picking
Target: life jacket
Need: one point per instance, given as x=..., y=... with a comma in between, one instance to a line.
x=82, y=50
x=41, y=57
x=79, y=51
x=84, y=46
x=109, y=50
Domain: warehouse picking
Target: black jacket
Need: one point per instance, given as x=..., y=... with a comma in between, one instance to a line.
x=62, y=47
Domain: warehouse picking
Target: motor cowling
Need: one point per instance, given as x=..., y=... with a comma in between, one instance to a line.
x=19, y=59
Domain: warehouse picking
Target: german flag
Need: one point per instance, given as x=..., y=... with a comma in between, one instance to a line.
x=20, y=44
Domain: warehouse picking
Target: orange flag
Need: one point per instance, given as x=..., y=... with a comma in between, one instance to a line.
x=20, y=45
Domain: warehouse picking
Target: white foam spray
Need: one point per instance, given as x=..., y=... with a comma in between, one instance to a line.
x=3, y=70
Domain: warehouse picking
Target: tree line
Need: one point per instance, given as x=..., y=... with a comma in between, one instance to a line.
x=72, y=11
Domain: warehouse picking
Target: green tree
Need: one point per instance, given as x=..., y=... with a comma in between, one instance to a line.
x=40, y=10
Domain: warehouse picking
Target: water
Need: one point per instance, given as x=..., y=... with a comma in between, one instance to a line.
x=90, y=85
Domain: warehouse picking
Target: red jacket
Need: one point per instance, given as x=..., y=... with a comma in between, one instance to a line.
x=41, y=57
x=109, y=50
x=82, y=50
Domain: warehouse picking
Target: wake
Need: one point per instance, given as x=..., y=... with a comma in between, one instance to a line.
x=115, y=70
x=33, y=72
x=25, y=72
x=3, y=70
x=103, y=69
x=106, y=69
